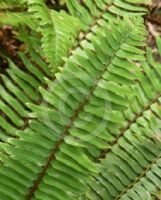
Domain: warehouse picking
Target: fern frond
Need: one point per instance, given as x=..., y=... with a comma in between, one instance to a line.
x=132, y=166
x=95, y=13
x=16, y=19
x=19, y=86
x=58, y=31
x=84, y=90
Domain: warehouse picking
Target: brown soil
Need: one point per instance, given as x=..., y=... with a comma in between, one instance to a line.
x=9, y=46
x=153, y=24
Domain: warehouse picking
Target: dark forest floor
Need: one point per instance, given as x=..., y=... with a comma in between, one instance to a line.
x=153, y=23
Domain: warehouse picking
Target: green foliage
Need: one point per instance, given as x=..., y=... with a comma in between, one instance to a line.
x=18, y=87
x=11, y=4
x=134, y=159
x=58, y=31
x=92, y=130
x=16, y=19
x=95, y=13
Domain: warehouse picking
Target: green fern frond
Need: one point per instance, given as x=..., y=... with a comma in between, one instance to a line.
x=95, y=13
x=132, y=166
x=87, y=88
x=58, y=32
x=16, y=19
x=19, y=86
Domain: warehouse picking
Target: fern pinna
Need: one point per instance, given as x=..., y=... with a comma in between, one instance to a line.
x=96, y=131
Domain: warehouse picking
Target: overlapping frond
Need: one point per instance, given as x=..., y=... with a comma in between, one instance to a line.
x=16, y=19
x=19, y=86
x=131, y=168
x=92, y=88
x=95, y=13
x=58, y=30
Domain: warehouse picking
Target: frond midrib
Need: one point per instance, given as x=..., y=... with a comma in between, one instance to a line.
x=138, y=179
x=129, y=124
